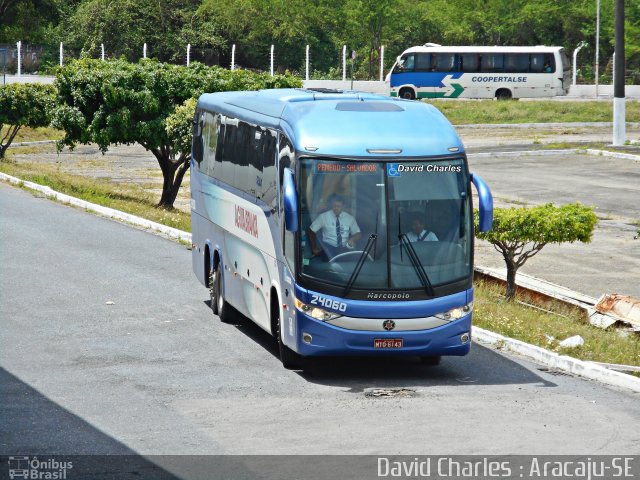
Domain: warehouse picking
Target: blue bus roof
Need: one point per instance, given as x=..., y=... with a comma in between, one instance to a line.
x=342, y=123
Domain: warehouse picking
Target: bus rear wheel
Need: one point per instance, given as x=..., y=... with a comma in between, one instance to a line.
x=218, y=304
x=504, y=94
x=407, y=94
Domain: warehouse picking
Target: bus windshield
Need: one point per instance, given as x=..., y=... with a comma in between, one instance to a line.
x=385, y=225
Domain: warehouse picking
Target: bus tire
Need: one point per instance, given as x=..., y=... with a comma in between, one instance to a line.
x=504, y=94
x=432, y=361
x=218, y=304
x=407, y=94
x=290, y=359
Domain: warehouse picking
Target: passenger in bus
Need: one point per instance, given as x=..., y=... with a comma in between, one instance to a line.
x=547, y=66
x=340, y=231
x=418, y=231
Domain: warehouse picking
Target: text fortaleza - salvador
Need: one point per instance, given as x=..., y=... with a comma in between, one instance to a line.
x=444, y=467
x=429, y=168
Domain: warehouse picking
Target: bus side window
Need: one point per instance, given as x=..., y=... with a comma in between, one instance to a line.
x=516, y=63
x=269, y=167
x=217, y=160
x=492, y=63
x=243, y=179
x=409, y=63
x=469, y=62
x=423, y=62
x=213, y=127
x=228, y=170
x=542, y=63
x=445, y=62
x=198, y=134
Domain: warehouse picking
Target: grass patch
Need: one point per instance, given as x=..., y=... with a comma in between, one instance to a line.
x=513, y=111
x=547, y=330
x=26, y=134
x=129, y=198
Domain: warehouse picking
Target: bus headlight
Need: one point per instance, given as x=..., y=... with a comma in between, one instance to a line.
x=315, y=312
x=455, y=313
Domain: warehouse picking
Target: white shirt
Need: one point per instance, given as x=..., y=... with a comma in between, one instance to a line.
x=327, y=223
x=423, y=237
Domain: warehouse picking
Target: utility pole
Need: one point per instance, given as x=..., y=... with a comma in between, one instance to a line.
x=618, y=79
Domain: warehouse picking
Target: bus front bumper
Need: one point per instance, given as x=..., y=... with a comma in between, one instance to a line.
x=316, y=338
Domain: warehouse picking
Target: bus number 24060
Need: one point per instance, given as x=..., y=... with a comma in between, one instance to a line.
x=329, y=303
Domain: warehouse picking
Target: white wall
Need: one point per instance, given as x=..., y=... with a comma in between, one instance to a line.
x=360, y=85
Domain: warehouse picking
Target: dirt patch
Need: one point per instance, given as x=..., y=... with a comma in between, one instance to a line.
x=123, y=164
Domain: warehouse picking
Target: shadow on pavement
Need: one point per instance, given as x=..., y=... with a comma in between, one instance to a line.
x=33, y=426
x=482, y=366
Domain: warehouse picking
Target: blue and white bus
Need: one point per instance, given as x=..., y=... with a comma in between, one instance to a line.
x=434, y=71
x=339, y=222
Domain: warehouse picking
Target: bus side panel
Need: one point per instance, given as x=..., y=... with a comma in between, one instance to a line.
x=198, y=227
x=248, y=250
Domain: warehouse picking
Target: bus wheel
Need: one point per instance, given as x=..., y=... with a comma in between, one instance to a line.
x=504, y=94
x=290, y=359
x=407, y=94
x=218, y=304
x=431, y=361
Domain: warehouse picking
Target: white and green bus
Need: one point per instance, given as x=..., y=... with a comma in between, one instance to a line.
x=434, y=71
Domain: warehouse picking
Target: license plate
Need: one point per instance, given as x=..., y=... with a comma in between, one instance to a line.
x=388, y=343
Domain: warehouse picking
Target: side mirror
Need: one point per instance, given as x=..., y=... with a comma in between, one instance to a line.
x=485, y=200
x=290, y=200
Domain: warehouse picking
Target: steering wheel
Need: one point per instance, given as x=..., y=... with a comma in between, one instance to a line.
x=346, y=256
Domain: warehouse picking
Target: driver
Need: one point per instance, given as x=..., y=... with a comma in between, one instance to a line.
x=340, y=231
x=418, y=232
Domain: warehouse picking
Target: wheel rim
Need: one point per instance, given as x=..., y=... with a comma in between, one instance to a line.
x=219, y=298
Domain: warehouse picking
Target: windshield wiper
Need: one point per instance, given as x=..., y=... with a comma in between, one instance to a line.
x=415, y=261
x=371, y=241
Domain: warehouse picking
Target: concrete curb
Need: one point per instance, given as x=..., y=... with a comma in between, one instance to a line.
x=26, y=144
x=541, y=125
x=104, y=211
x=565, y=151
x=538, y=354
x=555, y=361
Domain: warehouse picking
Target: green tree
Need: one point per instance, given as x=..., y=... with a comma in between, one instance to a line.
x=124, y=26
x=117, y=102
x=27, y=20
x=520, y=233
x=23, y=105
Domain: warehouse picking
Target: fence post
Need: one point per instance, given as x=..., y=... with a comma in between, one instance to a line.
x=102, y=47
x=188, y=54
x=575, y=61
x=61, y=54
x=233, y=56
x=382, y=63
x=144, y=51
x=307, y=63
x=19, y=44
x=271, y=69
x=344, y=63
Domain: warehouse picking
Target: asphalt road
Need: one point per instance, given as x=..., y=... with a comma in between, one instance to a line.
x=155, y=373
x=611, y=263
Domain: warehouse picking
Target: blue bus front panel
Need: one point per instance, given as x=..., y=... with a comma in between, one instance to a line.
x=362, y=324
x=327, y=339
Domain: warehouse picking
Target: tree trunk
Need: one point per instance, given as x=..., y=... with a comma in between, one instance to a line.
x=511, y=280
x=173, y=171
x=12, y=131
